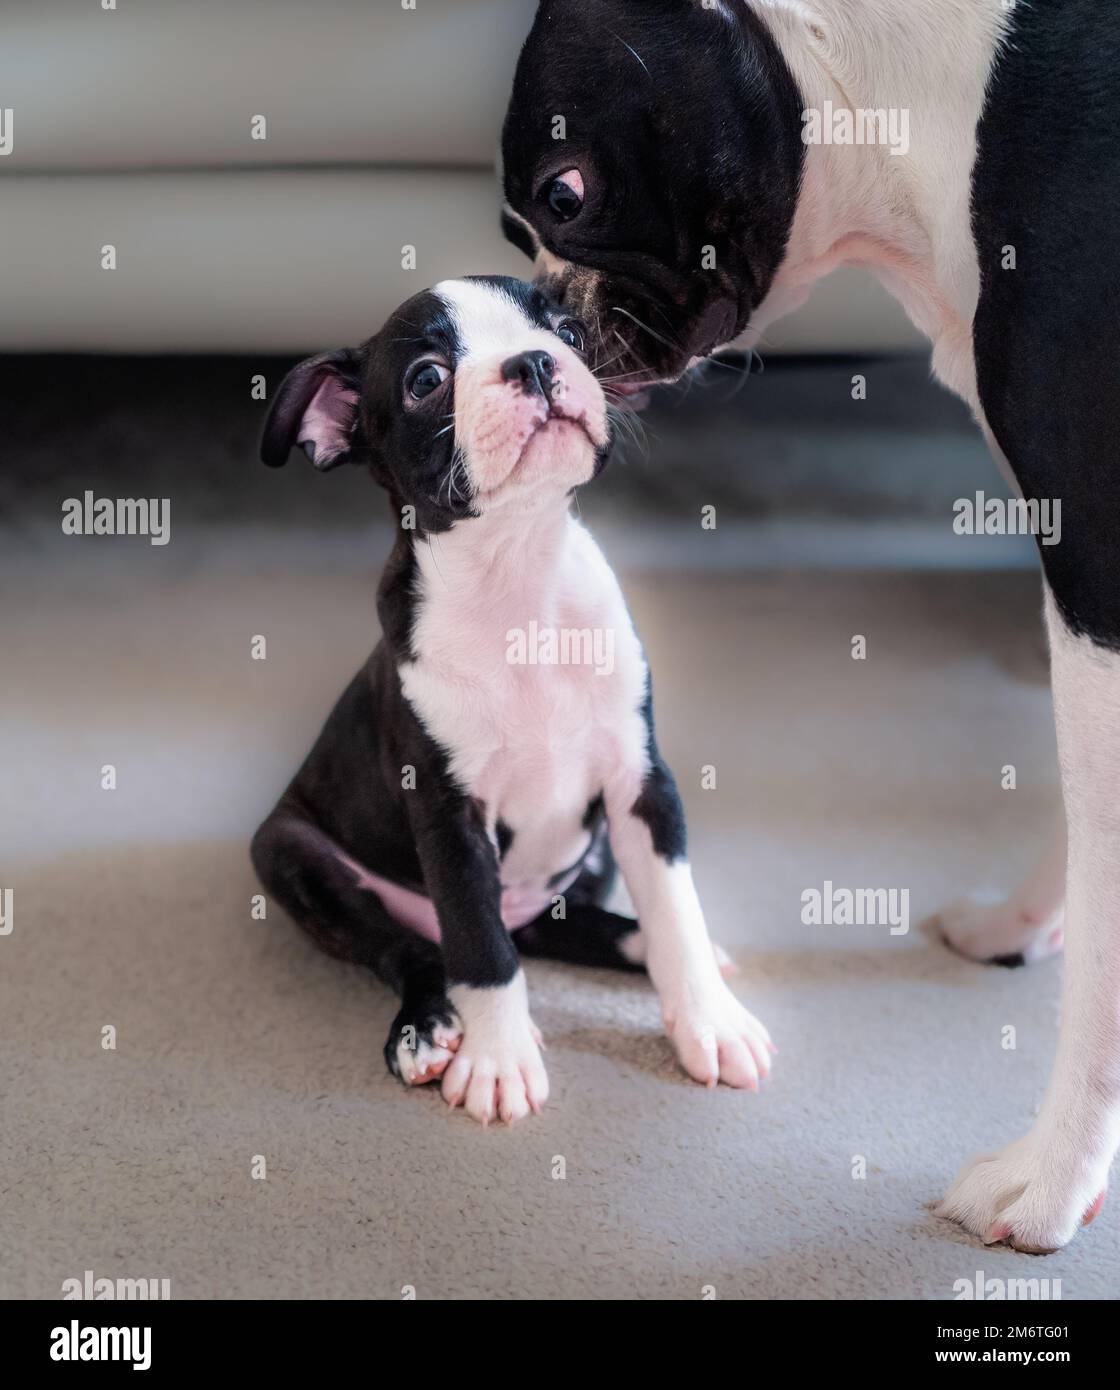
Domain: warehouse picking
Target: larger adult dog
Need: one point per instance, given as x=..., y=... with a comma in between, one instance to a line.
x=656, y=166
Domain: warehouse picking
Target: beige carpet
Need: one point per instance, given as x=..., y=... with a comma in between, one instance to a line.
x=234, y=1039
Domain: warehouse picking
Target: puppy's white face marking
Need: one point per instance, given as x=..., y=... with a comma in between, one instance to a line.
x=489, y=321
x=514, y=440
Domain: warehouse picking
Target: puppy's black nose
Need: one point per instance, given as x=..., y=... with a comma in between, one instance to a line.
x=534, y=370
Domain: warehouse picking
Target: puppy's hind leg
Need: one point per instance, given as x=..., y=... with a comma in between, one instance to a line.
x=320, y=887
x=1026, y=927
x=585, y=935
x=588, y=933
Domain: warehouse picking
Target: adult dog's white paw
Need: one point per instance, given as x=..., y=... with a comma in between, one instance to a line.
x=717, y=1039
x=497, y=1072
x=1030, y=1194
x=998, y=932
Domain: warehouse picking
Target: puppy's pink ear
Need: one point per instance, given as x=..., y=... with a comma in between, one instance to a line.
x=316, y=408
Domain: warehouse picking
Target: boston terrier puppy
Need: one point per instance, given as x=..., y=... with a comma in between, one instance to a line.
x=495, y=757
x=683, y=171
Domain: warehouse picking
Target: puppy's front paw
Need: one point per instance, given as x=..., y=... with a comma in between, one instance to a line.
x=717, y=1039
x=497, y=1072
x=1028, y=1194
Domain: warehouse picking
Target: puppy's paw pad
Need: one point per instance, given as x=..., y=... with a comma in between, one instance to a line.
x=1024, y=1197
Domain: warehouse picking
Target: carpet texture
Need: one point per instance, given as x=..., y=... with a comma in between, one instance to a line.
x=235, y=1039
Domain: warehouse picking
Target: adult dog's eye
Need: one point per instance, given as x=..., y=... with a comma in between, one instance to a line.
x=425, y=378
x=565, y=195
x=571, y=333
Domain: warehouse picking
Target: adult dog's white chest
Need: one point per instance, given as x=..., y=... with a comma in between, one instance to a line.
x=529, y=675
x=903, y=212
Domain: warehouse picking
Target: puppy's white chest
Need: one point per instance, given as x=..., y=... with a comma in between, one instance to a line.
x=541, y=755
x=535, y=693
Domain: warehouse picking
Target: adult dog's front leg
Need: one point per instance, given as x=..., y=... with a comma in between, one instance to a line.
x=1038, y=1190
x=497, y=1073
x=715, y=1037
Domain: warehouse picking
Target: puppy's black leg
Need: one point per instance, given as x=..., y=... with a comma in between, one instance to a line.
x=497, y=1071
x=320, y=887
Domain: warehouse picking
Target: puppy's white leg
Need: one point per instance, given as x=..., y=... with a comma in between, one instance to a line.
x=497, y=1072
x=1036, y=1191
x=715, y=1037
x=1026, y=927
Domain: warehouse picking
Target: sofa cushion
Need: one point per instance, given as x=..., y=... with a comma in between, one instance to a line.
x=289, y=260
x=284, y=260
x=178, y=82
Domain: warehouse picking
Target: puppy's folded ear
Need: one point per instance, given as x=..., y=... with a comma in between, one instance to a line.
x=316, y=408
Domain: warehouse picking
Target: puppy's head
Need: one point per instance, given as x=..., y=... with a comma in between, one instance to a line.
x=652, y=158
x=474, y=395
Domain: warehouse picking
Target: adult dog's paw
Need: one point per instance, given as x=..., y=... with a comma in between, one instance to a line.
x=998, y=932
x=1030, y=1195
x=497, y=1072
x=717, y=1039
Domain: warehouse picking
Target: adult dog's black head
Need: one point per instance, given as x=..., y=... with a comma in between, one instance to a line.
x=652, y=159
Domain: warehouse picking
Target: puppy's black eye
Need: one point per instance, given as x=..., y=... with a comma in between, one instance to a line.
x=565, y=195
x=571, y=333
x=425, y=378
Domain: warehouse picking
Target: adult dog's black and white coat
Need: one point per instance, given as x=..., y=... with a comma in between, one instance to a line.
x=655, y=167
